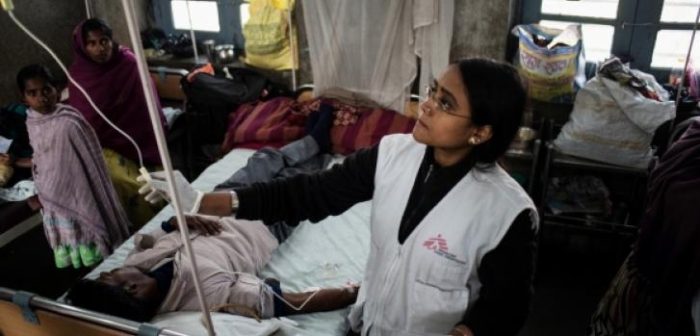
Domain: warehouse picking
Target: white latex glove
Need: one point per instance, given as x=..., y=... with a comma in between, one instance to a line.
x=156, y=189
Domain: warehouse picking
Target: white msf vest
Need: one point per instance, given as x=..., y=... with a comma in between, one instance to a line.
x=425, y=286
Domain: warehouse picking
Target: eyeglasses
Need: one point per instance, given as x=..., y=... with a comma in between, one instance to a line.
x=441, y=104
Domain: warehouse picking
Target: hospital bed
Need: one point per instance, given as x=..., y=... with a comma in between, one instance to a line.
x=22, y=314
x=326, y=254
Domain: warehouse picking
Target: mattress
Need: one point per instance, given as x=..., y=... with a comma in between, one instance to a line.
x=325, y=254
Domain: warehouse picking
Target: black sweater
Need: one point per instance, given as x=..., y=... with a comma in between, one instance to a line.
x=505, y=273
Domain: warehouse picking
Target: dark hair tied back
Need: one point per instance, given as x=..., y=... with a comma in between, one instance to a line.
x=497, y=98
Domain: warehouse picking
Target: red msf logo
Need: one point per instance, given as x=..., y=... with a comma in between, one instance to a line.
x=436, y=243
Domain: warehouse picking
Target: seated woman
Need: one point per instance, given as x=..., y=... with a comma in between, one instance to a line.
x=230, y=253
x=83, y=219
x=108, y=73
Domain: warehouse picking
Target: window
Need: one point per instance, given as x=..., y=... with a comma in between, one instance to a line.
x=653, y=34
x=245, y=13
x=597, y=39
x=667, y=54
x=202, y=15
x=216, y=20
x=671, y=46
x=679, y=11
x=597, y=18
x=592, y=8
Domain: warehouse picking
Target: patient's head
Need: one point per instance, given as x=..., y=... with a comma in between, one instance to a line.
x=125, y=292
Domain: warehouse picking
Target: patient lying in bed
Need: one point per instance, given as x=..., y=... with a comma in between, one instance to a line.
x=156, y=278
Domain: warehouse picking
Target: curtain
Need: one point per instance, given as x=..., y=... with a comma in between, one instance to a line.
x=367, y=51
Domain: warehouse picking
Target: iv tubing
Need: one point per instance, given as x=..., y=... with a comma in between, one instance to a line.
x=165, y=157
x=74, y=82
x=293, y=46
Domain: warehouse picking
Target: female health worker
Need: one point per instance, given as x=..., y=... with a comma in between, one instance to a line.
x=453, y=236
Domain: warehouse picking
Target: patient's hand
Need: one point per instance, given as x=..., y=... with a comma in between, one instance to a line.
x=23, y=162
x=5, y=159
x=205, y=226
x=325, y=299
x=11, y=160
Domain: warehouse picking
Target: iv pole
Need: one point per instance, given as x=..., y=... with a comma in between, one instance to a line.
x=292, y=43
x=165, y=157
x=88, y=9
x=194, y=40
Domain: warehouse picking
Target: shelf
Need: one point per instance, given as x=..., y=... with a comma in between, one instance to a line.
x=170, y=61
x=561, y=159
x=524, y=154
x=570, y=161
x=187, y=63
x=588, y=224
x=519, y=154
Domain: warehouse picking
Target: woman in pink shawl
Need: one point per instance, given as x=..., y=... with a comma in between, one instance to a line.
x=109, y=74
x=83, y=219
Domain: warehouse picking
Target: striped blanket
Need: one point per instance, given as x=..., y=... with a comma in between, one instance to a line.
x=281, y=120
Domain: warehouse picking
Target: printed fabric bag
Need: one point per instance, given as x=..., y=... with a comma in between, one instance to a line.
x=551, y=61
x=268, y=42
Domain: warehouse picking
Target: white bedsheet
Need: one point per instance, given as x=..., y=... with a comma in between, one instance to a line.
x=190, y=323
x=329, y=253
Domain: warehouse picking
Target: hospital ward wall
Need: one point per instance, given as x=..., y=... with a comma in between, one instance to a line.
x=480, y=29
x=52, y=21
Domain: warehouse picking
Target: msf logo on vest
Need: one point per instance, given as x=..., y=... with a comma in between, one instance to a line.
x=438, y=245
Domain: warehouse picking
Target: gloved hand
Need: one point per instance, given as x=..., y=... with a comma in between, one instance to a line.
x=156, y=188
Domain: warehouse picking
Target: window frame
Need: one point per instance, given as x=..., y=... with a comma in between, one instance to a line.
x=230, y=30
x=636, y=27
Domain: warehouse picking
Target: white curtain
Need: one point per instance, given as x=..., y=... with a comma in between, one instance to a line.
x=366, y=50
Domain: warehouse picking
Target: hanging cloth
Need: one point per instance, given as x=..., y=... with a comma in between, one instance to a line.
x=432, y=23
x=366, y=51
x=268, y=42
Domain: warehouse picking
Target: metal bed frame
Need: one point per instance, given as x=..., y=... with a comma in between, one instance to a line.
x=23, y=313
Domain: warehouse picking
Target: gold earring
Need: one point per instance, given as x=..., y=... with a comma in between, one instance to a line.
x=473, y=141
